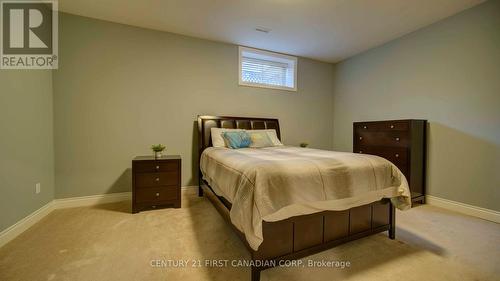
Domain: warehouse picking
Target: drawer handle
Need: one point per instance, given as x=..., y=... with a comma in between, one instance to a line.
x=392, y=126
x=157, y=179
x=397, y=139
x=157, y=194
x=360, y=138
x=397, y=155
x=364, y=127
x=157, y=167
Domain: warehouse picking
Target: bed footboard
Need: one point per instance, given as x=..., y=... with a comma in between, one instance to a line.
x=301, y=236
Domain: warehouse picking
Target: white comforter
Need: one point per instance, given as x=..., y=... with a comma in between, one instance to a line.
x=276, y=183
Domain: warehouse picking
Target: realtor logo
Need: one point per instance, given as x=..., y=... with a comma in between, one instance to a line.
x=29, y=35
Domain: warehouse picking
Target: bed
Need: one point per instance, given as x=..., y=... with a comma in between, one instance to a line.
x=286, y=203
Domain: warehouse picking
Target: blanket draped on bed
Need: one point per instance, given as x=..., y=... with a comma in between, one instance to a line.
x=276, y=183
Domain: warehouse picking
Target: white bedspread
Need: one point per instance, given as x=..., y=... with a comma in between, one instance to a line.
x=276, y=183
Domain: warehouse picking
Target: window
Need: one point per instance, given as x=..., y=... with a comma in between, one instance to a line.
x=259, y=68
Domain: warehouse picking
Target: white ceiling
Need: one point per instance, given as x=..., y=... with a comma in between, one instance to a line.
x=326, y=30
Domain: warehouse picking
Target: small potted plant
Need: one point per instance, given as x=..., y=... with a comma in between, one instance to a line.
x=158, y=149
x=304, y=144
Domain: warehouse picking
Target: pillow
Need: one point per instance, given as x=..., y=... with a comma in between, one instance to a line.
x=260, y=139
x=239, y=139
x=272, y=135
x=217, y=139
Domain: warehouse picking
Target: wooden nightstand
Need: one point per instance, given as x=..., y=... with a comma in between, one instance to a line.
x=156, y=182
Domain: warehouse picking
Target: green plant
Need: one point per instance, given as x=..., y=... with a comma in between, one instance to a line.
x=304, y=144
x=158, y=147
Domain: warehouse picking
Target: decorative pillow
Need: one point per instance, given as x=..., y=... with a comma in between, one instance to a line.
x=239, y=139
x=260, y=139
x=217, y=140
x=272, y=135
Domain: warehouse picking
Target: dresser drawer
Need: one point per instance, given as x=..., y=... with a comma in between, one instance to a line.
x=155, y=166
x=156, y=195
x=387, y=139
x=393, y=126
x=394, y=154
x=404, y=169
x=400, y=162
x=156, y=179
x=365, y=126
x=398, y=125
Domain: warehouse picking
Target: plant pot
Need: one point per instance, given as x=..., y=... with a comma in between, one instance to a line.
x=158, y=154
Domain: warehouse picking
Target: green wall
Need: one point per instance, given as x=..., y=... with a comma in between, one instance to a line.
x=449, y=74
x=26, y=143
x=120, y=89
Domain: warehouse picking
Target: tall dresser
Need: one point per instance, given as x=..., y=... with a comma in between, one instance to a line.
x=403, y=142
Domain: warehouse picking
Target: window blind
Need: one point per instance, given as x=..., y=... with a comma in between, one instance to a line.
x=257, y=68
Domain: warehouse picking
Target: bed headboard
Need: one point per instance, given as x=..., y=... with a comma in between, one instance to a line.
x=205, y=123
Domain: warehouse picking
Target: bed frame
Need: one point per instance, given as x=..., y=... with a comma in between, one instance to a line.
x=298, y=236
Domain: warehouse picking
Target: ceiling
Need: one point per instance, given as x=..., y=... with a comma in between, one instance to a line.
x=326, y=30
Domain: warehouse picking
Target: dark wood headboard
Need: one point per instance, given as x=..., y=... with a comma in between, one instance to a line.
x=205, y=123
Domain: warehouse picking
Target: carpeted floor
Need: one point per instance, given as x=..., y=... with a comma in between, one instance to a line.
x=106, y=242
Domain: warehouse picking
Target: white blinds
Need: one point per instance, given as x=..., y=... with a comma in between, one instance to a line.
x=257, y=68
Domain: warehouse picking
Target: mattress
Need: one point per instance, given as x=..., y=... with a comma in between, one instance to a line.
x=276, y=183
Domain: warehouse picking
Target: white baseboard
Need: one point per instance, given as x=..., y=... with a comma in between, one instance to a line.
x=91, y=200
x=98, y=199
x=19, y=227
x=16, y=229
x=463, y=208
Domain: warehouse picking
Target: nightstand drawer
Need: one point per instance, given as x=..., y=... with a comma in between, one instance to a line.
x=155, y=166
x=156, y=194
x=157, y=179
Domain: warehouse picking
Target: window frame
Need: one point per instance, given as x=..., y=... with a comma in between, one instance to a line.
x=242, y=49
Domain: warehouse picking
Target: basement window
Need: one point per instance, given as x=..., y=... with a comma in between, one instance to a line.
x=258, y=68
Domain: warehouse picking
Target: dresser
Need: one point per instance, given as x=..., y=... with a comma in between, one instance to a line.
x=403, y=142
x=156, y=182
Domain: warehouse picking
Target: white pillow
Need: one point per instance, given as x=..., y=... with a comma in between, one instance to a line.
x=217, y=139
x=272, y=135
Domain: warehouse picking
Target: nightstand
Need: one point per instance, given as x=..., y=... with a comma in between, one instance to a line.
x=156, y=182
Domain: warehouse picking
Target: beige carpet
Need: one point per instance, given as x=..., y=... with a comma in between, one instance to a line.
x=106, y=242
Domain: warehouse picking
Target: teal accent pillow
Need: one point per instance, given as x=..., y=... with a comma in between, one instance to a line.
x=239, y=139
